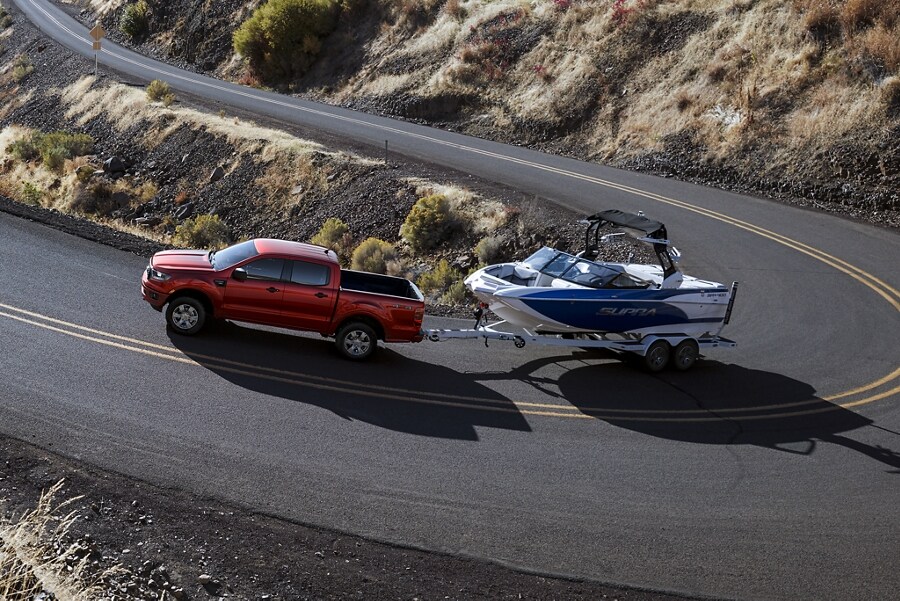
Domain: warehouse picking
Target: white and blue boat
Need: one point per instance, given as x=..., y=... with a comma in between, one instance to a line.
x=555, y=292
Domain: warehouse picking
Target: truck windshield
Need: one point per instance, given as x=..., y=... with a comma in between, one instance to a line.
x=232, y=255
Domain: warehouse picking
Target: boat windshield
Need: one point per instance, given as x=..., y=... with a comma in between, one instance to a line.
x=581, y=271
x=538, y=260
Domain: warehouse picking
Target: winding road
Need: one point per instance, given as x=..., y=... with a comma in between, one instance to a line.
x=768, y=471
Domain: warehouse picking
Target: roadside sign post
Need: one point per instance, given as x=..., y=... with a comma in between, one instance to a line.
x=97, y=33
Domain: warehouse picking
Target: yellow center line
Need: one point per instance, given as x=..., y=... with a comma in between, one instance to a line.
x=407, y=395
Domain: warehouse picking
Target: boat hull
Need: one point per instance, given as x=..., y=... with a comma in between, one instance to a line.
x=696, y=309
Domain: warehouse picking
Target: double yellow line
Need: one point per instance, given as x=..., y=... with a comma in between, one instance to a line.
x=219, y=364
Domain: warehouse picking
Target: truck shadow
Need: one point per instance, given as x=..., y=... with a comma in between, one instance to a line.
x=389, y=390
x=716, y=403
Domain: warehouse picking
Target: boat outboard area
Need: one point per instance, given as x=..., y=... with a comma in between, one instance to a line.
x=560, y=298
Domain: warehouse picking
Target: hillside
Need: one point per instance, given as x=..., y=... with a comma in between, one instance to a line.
x=797, y=99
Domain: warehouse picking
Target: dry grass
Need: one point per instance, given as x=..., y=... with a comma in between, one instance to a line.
x=36, y=559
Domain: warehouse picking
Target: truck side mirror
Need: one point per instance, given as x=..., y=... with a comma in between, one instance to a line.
x=240, y=274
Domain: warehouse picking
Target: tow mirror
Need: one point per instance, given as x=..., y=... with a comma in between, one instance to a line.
x=240, y=274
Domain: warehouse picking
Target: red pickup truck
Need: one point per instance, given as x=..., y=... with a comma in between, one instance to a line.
x=285, y=284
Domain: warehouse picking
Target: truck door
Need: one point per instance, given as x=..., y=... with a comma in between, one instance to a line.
x=258, y=298
x=309, y=295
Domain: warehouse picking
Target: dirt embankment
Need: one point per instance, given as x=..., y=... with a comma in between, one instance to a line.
x=798, y=100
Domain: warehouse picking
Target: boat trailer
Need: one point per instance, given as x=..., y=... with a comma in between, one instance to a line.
x=657, y=351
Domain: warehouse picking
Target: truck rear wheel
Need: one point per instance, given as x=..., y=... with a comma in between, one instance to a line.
x=356, y=341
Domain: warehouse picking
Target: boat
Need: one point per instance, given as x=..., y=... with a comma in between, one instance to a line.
x=556, y=292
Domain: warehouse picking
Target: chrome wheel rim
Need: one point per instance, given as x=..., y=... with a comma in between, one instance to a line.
x=357, y=343
x=185, y=317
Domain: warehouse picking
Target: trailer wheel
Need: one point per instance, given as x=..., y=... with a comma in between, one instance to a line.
x=657, y=356
x=356, y=341
x=686, y=354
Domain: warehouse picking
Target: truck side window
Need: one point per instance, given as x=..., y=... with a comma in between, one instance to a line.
x=310, y=274
x=265, y=269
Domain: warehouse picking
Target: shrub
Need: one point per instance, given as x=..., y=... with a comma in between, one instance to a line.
x=157, y=90
x=334, y=234
x=440, y=278
x=455, y=10
x=135, y=19
x=282, y=37
x=373, y=255
x=428, y=223
x=94, y=200
x=455, y=295
x=31, y=194
x=5, y=19
x=53, y=148
x=488, y=249
x=22, y=67
x=205, y=231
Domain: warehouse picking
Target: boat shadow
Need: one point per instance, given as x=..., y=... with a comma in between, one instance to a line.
x=389, y=390
x=716, y=403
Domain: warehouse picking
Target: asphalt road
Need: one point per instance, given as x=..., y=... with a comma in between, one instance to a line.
x=769, y=471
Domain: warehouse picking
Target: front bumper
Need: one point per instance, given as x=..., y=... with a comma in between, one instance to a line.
x=153, y=295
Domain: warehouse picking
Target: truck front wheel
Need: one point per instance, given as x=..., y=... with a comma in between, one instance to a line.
x=356, y=341
x=186, y=315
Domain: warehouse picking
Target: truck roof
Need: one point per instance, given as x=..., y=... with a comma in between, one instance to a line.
x=299, y=249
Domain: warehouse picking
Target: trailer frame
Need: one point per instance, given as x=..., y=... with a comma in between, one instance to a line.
x=656, y=350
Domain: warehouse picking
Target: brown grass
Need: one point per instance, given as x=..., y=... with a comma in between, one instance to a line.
x=36, y=556
x=859, y=14
x=883, y=45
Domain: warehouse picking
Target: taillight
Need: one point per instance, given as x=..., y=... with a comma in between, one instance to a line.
x=419, y=316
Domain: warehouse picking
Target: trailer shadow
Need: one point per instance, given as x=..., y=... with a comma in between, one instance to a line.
x=716, y=403
x=389, y=390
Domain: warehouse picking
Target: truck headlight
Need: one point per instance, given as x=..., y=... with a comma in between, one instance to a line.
x=157, y=275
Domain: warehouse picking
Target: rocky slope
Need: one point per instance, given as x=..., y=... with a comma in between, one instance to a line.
x=797, y=100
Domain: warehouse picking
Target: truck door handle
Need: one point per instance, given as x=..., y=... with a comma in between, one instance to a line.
x=321, y=295
x=271, y=289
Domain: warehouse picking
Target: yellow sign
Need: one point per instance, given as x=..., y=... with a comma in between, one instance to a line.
x=98, y=33
x=96, y=45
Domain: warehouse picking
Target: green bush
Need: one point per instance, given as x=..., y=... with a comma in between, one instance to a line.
x=205, y=231
x=334, y=234
x=53, y=148
x=440, y=278
x=428, y=224
x=455, y=295
x=157, y=90
x=488, y=249
x=135, y=19
x=282, y=37
x=373, y=255
x=31, y=194
x=22, y=67
x=5, y=18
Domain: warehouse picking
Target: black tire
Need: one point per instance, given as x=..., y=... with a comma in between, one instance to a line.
x=657, y=357
x=186, y=315
x=356, y=341
x=686, y=354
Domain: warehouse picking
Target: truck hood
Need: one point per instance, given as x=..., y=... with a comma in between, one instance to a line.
x=182, y=259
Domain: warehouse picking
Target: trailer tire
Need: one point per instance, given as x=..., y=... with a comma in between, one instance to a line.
x=686, y=354
x=657, y=356
x=356, y=341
